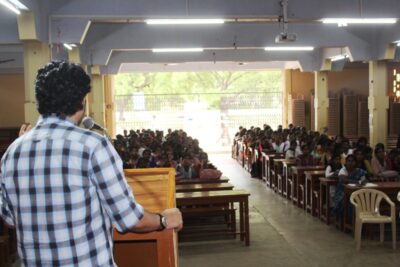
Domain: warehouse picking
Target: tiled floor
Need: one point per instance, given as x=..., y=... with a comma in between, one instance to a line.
x=282, y=235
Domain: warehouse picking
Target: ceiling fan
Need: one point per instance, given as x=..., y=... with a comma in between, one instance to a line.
x=6, y=60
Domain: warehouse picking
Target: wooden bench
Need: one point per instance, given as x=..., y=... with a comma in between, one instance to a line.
x=225, y=212
x=277, y=170
x=312, y=191
x=202, y=181
x=287, y=175
x=227, y=198
x=298, y=176
x=203, y=187
x=325, y=199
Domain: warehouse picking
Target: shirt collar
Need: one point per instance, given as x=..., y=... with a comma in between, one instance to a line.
x=54, y=119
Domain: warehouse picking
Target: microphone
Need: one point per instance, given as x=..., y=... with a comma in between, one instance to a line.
x=90, y=124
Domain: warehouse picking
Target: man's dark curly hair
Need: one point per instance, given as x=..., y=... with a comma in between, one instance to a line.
x=60, y=88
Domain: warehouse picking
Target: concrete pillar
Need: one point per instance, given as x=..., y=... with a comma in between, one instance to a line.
x=74, y=55
x=36, y=55
x=97, y=106
x=109, y=103
x=378, y=103
x=321, y=101
x=286, y=92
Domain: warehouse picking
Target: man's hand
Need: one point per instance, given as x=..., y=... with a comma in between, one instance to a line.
x=174, y=218
x=26, y=127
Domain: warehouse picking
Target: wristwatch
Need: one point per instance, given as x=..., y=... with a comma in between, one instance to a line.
x=163, y=222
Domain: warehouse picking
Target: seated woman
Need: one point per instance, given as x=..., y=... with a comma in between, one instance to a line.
x=367, y=152
x=305, y=159
x=381, y=165
x=348, y=174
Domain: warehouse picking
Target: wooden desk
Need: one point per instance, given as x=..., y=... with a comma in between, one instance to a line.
x=202, y=181
x=286, y=181
x=258, y=163
x=298, y=193
x=325, y=199
x=312, y=184
x=389, y=188
x=221, y=197
x=277, y=170
x=268, y=158
x=203, y=187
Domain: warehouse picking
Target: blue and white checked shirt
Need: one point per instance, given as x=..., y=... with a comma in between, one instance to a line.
x=63, y=188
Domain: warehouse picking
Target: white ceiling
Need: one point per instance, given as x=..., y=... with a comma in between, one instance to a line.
x=113, y=34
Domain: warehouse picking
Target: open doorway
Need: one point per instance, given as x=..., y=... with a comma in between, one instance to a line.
x=209, y=106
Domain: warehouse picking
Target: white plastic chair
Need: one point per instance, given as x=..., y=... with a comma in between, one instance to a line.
x=366, y=203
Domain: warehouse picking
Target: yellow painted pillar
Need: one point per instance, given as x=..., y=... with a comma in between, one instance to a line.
x=286, y=92
x=109, y=102
x=321, y=101
x=36, y=55
x=74, y=55
x=378, y=103
x=97, y=97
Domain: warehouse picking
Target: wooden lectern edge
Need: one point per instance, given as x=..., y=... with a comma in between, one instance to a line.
x=165, y=234
x=166, y=240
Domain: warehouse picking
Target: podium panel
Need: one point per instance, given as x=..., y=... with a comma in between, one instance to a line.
x=154, y=189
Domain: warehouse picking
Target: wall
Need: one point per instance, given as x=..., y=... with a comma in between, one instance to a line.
x=302, y=85
x=12, y=97
x=354, y=80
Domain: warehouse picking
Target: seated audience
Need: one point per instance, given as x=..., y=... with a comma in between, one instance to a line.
x=185, y=169
x=291, y=152
x=381, y=165
x=333, y=168
x=348, y=174
x=305, y=159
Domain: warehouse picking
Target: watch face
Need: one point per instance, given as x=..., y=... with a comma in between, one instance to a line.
x=164, y=222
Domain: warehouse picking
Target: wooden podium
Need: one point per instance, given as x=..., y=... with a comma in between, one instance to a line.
x=154, y=189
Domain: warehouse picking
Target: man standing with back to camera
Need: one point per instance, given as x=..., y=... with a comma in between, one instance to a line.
x=63, y=187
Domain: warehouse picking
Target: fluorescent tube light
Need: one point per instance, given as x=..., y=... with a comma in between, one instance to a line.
x=183, y=21
x=338, y=57
x=10, y=6
x=172, y=50
x=18, y=4
x=346, y=21
x=69, y=47
x=289, y=48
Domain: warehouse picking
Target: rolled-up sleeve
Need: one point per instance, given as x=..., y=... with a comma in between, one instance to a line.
x=114, y=192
